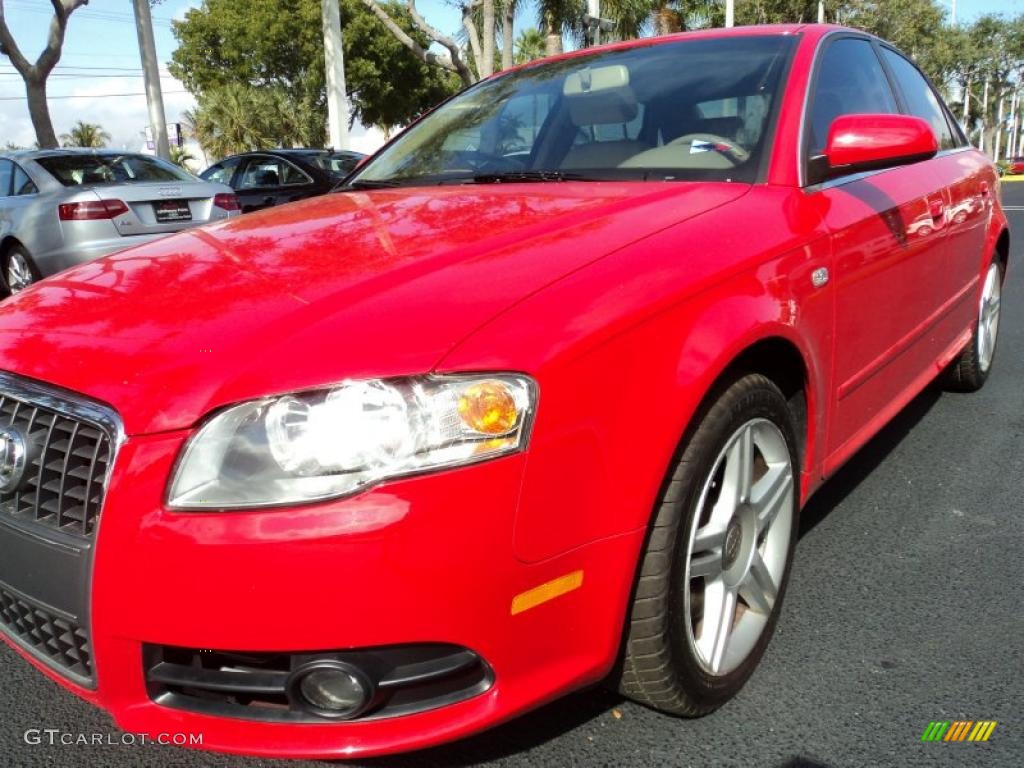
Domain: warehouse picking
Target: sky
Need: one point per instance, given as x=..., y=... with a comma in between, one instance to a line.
x=99, y=77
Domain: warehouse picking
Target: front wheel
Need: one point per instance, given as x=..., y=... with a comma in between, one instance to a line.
x=717, y=559
x=970, y=371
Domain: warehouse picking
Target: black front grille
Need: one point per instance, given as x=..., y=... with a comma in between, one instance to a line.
x=56, y=638
x=56, y=449
x=66, y=468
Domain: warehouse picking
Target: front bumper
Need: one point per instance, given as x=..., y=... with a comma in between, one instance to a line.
x=424, y=560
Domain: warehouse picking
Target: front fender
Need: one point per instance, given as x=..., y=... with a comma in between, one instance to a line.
x=624, y=353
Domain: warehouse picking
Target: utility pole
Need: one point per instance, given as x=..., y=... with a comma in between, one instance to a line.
x=337, y=99
x=984, y=117
x=594, y=22
x=594, y=25
x=1014, y=125
x=953, y=3
x=967, y=107
x=999, y=130
x=151, y=76
x=730, y=13
x=821, y=11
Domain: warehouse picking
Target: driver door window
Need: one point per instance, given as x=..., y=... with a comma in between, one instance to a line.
x=850, y=81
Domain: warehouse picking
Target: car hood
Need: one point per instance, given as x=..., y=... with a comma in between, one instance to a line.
x=376, y=283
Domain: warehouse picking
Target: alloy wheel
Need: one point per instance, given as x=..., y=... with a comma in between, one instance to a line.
x=19, y=273
x=738, y=546
x=988, y=317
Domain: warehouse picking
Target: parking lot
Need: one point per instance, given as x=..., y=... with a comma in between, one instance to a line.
x=904, y=607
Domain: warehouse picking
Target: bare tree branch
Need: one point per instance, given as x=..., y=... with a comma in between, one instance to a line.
x=35, y=75
x=453, y=63
x=9, y=48
x=454, y=50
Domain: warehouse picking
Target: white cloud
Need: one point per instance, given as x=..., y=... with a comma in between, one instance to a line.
x=124, y=117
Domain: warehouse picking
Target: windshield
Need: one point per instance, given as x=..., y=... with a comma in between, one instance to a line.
x=693, y=109
x=90, y=170
x=337, y=164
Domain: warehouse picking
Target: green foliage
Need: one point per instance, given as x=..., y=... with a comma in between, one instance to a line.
x=529, y=45
x=237, y=118
x=277, y=46
x=914, y=26
x=780, y=11
x=388, y=85
x=85, y=135
x=180, y=156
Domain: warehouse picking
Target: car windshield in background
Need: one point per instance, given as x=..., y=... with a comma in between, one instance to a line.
x=89, y=170
x=338, y=165
x=687, y=110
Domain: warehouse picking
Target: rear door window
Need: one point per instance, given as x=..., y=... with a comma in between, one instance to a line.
x=921, y=99
x=265, y=172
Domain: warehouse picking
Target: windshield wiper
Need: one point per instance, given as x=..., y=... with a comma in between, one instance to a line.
x=529, y=176
x=369, y=184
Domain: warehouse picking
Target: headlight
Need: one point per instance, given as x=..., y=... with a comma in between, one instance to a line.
x=328, y=443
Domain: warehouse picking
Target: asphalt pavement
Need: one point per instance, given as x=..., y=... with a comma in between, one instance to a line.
x=905, y=606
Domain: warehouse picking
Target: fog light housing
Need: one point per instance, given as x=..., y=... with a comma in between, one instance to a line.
x=331, y=689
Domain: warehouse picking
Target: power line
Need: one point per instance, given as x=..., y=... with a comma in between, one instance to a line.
x=75, y=66
x=83, y=76
x=89, y=13
x=87, y=96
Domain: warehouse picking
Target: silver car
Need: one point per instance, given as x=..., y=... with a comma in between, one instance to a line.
x=62, y=207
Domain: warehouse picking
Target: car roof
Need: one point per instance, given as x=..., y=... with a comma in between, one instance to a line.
x=34, y=154
x=814, y=31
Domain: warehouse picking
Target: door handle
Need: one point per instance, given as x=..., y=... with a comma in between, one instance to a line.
x=984, y=189
x=937, y=209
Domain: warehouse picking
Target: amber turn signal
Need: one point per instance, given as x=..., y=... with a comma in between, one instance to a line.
x=488, y=407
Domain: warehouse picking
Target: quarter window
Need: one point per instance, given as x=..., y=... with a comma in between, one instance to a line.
x=23, y=185
x=850, y=81
x=921, y=99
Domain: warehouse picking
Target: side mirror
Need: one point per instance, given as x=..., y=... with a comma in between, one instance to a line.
x=858, y=143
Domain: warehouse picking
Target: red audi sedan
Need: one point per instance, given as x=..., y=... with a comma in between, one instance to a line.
x=533, y=403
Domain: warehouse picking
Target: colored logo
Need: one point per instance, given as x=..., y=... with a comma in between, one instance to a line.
x=959, y=730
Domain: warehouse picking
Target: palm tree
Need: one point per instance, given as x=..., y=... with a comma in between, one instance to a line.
x=558, y=18
x=85, y=135
x=180, y=156
x=227, y=121
x=668, y=16
x=529, y=45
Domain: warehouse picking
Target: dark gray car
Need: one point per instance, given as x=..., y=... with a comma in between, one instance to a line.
x=63, y=207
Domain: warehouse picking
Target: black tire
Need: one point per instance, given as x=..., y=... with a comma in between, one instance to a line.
x=18, y=251
x=969, y=372
x=660, y=667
